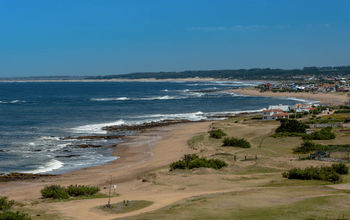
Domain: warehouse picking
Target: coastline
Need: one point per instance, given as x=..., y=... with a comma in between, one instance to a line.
x=140, y=153
x=323, y=98
x=115, y=80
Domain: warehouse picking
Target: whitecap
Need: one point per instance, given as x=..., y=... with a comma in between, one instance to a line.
x=302, y=100
x=192, y=116
x=166, y=97
x=53, y=138
x=96, y=128
x=47, y=167
x=110, y=99
x=12, y=102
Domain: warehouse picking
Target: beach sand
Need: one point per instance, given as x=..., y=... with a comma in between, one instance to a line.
x=323, y=98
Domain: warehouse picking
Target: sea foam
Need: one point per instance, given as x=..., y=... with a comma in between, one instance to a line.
x=96, y=128
x=47, y=167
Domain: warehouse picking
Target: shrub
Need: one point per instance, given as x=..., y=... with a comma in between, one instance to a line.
x=309, y=146
x=8, y=215
x=331, y=174
x=343, y=111
x=5, y=204
x=306, y=147
x=82, y=190
x=235, y=142
x=291, y=126
x=217, y=133
x=323, y=134
x=54, y=192
x=340, y=168
x=191, y=161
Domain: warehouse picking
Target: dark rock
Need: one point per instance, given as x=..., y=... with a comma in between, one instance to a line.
x=89, y=146
x=67, y=156
x=146, y=125
x=22, y=176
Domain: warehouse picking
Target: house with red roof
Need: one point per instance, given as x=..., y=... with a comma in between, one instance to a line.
x=273, y=114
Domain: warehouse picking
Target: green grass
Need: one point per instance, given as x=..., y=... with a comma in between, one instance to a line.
x=119, y=208
x=289, y=182
x=226, y=206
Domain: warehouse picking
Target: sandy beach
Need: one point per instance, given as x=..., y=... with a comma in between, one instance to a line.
x=324, y=98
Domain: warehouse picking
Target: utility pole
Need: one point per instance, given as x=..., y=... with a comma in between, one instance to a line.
x=109, y=193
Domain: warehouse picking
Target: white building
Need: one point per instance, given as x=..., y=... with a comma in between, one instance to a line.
x=284, y=108
x=273, y=114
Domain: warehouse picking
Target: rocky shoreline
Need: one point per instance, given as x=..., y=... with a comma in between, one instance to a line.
x=22, y=176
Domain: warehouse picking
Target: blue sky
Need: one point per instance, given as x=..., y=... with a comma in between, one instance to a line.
x=73, y=37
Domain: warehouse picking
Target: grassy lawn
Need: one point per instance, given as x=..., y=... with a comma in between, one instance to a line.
x=121, y=207
x=240, y=205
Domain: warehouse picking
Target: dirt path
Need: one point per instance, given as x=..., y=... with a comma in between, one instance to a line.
x=85, y=209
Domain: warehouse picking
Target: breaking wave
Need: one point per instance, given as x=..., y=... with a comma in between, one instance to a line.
x=47, y=167
x=12, y=102
x=96, y=128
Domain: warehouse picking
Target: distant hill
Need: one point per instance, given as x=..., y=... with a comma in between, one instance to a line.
x=251, y=74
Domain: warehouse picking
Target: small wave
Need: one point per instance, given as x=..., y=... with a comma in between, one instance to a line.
x=12, y=102
x=302, y=100
x=213, y=114
x=110, y=99
x=233, y=94
x=193, y=116
x=166, y=97
x=47, y=167
x=96, y=128
x=52, y=138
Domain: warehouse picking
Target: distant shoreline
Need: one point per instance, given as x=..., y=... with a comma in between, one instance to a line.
x=117, y=80
x=323, y=98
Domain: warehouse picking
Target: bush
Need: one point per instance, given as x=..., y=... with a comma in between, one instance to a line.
x=331, y=174
x=54, y=192
x=191, y=161
x=343, y=111
x=340, y=168
x=8, y=215
x=309, y=146
x=323, y=134
x=217, y=133
x=291, y=126
x=5, y=204
x=81, y=190
x=60, y=192
x=306, y=147
x=235, y=142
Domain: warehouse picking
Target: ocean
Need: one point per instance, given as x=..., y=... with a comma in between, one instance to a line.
x=35, y=117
